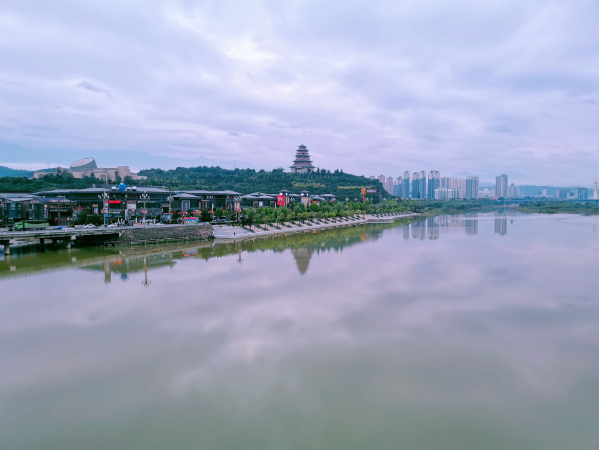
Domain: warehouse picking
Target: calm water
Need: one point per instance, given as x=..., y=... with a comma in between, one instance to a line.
x=452, y=333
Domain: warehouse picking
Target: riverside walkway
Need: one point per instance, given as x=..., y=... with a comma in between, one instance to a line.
x=236, y=233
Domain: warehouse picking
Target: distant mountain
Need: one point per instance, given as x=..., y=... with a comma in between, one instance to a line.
x=8, y=172
x=14, y=153
x=462, y=175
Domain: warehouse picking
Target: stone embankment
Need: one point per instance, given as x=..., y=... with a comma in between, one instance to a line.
x=169, y=233
x=236, y=233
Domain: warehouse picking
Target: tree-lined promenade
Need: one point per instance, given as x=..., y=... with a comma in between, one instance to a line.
x=299, y=212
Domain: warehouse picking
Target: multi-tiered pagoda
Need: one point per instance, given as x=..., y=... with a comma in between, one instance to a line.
x=302, y=162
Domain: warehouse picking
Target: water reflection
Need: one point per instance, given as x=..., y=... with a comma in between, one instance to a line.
x=356, y=339
x=122, y=261
x=432, y=227
x=501, y=223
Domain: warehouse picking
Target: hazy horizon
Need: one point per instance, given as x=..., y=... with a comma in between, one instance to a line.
x=383, y=87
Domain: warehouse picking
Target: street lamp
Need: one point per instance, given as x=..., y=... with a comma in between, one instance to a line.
x=104, y=197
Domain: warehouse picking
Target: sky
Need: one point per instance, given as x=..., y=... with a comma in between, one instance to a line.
x=371, y=87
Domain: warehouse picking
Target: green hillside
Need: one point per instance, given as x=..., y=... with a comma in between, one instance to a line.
x=246, y=181
x=8, y=172
x=63, y=181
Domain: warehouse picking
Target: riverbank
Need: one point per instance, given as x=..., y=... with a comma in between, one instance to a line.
x=587, y=209
x=226, y=233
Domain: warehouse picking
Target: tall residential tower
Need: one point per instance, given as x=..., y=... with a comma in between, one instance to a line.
x=501, y=186
x=471, y=187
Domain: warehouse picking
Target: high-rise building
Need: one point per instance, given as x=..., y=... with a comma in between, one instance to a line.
x=501, y=186
x=446, y=193
x=561, y=194
x=471, y=187
x=450, y=182
x=595, y=191
x=415, y=184
x=382, y=180
x=302, y=162
x=389, y=185
x=462, y=188
x=422, y=184
x=513, y=191
x=406, y=184
x=434, y=182
x=544, y=193
x=398, y=190
x=581, y=194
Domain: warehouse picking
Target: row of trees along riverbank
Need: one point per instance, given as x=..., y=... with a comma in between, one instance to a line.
x=329, y=210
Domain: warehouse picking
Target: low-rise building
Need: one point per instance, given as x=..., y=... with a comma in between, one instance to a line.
x=87, y=167
x=15, y=208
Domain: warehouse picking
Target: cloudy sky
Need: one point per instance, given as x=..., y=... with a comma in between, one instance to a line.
x=370, y=87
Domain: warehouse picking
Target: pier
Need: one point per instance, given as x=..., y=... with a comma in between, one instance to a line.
x=7, y=238
x=113, y=236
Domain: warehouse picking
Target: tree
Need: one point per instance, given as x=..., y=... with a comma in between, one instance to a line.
x=94, y=219
x=249, y=180
x=205, y=216
x=281, y=214
x=249, y=221
x=80, y=216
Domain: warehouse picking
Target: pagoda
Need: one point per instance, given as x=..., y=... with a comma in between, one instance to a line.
x=302, y=162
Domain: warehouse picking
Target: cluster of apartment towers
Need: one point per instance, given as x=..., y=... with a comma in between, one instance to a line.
x=421, y=185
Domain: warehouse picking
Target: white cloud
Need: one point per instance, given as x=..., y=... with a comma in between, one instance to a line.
x=369, y=87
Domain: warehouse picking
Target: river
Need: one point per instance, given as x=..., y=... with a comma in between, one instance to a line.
x=455, y=332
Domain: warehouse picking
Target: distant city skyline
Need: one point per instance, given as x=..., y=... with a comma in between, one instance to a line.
x=433, y=185
x=478, y=87
x=164, y=162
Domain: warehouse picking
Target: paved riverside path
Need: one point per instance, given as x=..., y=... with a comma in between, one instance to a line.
x=239, y=233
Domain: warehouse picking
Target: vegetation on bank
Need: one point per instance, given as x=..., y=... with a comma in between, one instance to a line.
x=46, y=183
x=434, y=207
x=560, y=208
x=245, y=181
x=300, y=212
